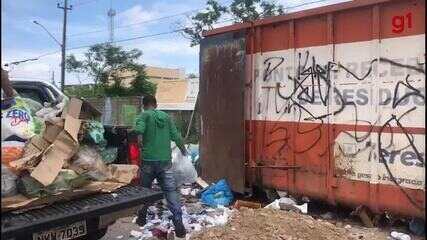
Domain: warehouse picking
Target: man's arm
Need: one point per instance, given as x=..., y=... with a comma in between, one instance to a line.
x=176, y=137
x=140, y=123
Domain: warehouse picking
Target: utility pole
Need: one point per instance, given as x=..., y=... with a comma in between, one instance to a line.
x=63, y=45
x=52, y=79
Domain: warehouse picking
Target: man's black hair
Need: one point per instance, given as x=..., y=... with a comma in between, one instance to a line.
x=149, y=100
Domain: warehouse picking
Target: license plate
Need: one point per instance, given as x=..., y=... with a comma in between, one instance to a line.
x=68, y=232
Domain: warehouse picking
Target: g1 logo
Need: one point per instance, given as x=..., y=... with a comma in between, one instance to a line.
x=399, y=23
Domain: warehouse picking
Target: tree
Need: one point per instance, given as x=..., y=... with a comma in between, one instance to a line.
x=239, y=10
x=191, y=75
x=204, y=20
x=106, y=64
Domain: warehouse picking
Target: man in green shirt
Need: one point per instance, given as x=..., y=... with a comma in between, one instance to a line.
x=158, y=130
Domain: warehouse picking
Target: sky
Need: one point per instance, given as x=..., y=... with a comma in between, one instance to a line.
x=88, y=24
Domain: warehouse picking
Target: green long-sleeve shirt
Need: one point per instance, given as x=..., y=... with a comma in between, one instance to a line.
x=158, y=130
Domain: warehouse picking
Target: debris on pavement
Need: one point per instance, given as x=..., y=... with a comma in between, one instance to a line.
x=136, y=234
x=289, y=204
x=399, y=236
x=217, y=194
x=240, y=203
x=202, y=183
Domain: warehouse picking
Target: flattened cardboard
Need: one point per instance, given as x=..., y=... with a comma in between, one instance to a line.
x=36, y=145
x=26, y=163
x=123, y=173
x=51, y=132
x=89, y=111
x=81, y=109
x=73, y=108
x=62, y=149
x=72, y=126
x=21, y=202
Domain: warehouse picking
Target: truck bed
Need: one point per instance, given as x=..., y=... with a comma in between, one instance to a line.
x=13, y=225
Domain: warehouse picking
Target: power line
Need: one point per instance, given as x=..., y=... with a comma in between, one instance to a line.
x=307, y=3
x=83, y=3
x=156, y=34
x=141, y=22
x=133, y=24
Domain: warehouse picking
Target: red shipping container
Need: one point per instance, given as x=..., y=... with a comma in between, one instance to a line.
x=327, y=103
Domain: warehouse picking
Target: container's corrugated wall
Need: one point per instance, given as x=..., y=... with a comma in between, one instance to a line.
x=335, y=104
x=328, y=89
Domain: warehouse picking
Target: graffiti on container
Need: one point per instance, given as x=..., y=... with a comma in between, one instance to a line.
x=313, y=84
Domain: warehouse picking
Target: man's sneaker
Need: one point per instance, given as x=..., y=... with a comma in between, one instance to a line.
x=180, y=231
x=141, y=221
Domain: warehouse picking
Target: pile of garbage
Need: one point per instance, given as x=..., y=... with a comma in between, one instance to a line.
x=53, y=150
x=198, y=214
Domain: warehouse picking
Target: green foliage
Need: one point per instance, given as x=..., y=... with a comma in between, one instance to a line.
x=191, y=75
x=105, y=63
x=240, y=11
x=204, y=20
x=85, y=91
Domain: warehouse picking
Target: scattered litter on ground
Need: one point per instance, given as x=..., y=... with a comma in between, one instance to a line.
x=136, y=234
x=399, y=236
x=217, y=194
x=286, y=203
x=327, y=215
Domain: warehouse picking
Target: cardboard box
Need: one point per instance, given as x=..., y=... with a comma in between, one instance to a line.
x=80, y=109
x=123, y=173
x=64, y=144
x=54, y=157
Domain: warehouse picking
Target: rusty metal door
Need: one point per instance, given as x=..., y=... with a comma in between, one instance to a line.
x=222, y=143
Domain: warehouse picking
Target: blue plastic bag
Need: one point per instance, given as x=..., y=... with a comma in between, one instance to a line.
x=217, y=194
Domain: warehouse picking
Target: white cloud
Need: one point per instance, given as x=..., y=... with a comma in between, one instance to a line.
x=136, y=14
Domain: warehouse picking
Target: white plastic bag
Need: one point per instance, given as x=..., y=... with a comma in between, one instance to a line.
x=88, y=161
x=8, y=182
x=17, y=120
x=183, y=168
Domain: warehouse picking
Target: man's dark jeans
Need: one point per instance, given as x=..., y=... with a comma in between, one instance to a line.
x=161, y=171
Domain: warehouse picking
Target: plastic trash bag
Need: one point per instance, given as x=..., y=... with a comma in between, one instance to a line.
x=183, y=168
x=11, y=151
x=48, y=112
x=95, y=132
x=33, y=105
x=66, y=180
x=218, y=194
x=89, y=161
x=17, y=120
x=29, y=187
x=193, y=150
x=8, y=182
x=109, y=155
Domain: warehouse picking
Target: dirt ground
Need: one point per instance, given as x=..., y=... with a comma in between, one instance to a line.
x=266, y=224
